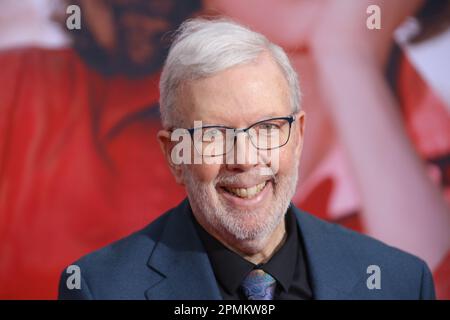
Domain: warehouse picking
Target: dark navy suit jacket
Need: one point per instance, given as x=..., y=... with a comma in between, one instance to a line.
x=166, y=260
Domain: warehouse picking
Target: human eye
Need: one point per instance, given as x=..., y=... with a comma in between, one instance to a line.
x=268, y=126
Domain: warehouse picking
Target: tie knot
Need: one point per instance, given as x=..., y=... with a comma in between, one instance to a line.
x=258, y=285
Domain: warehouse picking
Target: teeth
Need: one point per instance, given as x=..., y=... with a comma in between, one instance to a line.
x=247, y=192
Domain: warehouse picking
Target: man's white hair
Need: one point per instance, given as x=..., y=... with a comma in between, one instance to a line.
x=203, y=47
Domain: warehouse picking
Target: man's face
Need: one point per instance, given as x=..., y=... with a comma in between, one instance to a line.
x=234, y=200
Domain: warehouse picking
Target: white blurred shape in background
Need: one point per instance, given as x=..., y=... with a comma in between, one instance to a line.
x=29, y=23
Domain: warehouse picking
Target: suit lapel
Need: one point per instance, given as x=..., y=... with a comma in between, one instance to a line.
x=181, y=266
x=330, y=267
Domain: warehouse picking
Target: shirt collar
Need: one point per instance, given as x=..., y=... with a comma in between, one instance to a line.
x=231, y=269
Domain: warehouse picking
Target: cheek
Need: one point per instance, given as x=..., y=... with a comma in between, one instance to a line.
x=287, y=159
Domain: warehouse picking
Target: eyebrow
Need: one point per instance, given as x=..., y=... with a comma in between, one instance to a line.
x=266, y=117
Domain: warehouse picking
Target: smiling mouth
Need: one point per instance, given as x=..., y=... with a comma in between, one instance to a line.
x=246, y=193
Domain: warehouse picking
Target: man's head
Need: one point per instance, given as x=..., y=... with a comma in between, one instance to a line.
x=125, y=36
x=224, y=74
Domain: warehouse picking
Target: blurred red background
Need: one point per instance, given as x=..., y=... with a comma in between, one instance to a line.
x=79, y=162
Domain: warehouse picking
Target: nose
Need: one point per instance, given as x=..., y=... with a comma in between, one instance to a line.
x=243, y=156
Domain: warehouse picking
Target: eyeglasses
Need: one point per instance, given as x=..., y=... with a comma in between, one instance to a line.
x=264, y=135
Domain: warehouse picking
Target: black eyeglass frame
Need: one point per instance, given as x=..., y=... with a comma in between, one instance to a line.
x=290, y=120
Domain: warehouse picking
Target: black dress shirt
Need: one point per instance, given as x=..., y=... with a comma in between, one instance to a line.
x=288, y=265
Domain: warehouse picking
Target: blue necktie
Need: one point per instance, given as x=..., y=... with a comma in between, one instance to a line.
x=258, y=285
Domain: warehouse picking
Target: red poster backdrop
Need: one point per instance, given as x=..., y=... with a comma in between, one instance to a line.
x=80, y=166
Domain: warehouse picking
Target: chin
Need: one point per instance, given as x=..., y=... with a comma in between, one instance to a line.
x=252, y=230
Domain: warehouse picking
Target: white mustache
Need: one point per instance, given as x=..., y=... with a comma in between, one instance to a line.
x=254, y=175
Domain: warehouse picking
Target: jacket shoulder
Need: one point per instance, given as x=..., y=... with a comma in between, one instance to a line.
x=402, y=274
x=115, y=264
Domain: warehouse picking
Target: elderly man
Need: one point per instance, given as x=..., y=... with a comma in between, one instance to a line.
x=230, y=106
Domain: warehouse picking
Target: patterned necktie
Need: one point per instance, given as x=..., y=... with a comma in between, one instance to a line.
x=259, y=285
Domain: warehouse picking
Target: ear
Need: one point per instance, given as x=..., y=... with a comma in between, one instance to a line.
x=299, y=129
x=166, y=146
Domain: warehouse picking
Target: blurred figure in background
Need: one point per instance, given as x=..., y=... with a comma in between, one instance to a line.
x=403, y=198
x=127, y=36
x=79, y=162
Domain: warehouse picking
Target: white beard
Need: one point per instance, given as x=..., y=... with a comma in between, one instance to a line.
x=253, y=232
